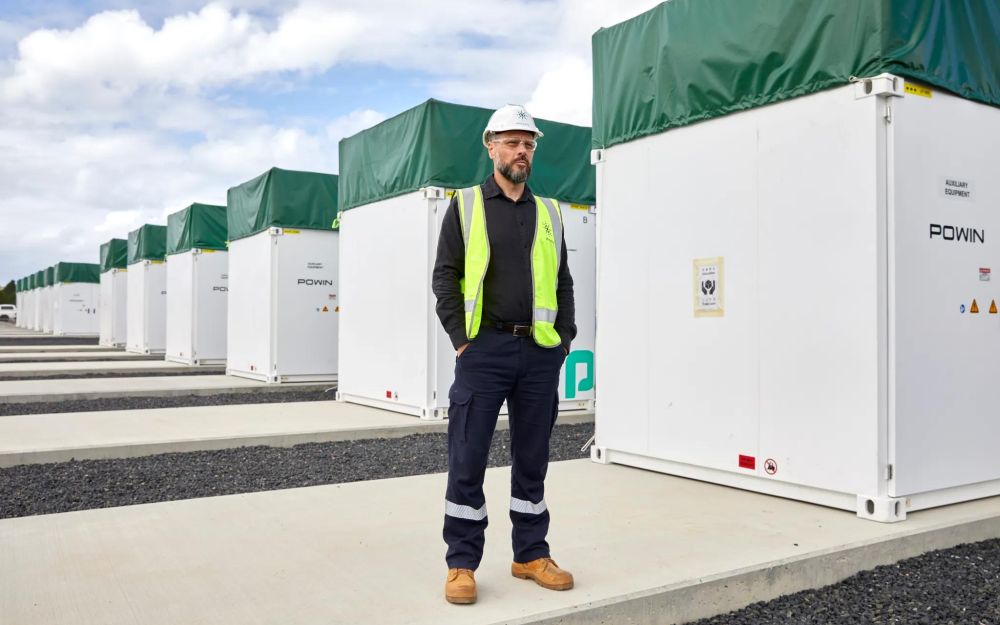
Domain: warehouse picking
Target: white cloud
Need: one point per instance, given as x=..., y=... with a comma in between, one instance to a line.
x=352, y=123
x=563, y=93
x=121, y=119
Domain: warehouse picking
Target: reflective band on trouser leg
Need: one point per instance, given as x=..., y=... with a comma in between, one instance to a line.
x=546, y=256
x=477, y=256
x=526, y=507
x=464, y=512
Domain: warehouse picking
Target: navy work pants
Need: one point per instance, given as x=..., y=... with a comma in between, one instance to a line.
x=499, y=366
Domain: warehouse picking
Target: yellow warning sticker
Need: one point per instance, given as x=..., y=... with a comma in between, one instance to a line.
x=157, y=262
x=450, y=193
x=579, y=207
x=291, y=231
x=919, y=90
x=975, y=307
x=993, y=307
x=208, y=251
x=325, y=309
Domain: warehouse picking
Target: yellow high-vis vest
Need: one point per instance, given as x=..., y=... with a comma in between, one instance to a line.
x=546, y=256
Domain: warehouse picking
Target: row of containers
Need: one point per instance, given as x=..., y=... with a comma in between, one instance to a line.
x=795, y=251
x=280, y=288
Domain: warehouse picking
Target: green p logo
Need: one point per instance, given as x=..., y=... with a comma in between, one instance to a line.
x=578, y=357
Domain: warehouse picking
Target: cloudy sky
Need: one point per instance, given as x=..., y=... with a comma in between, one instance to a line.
x=114, y=114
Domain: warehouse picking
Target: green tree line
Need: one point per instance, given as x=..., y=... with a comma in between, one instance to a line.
x=8, y=295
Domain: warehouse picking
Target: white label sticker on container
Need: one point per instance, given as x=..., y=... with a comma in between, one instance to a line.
x=957, y=189
x=709, y=287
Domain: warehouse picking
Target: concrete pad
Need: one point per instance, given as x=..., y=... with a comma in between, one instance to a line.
x=45, y=369
x=9, y=329
x=27, y=357
x=35, y=439
x=4, y=349
x=644, y=547
x=18, y=391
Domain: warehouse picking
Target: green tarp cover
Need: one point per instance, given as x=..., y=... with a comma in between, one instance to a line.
x=690, y=60
x=147, y=242
x=440, y=144
x=39, y=279
x=114, y=255
x=282, y=198
x=78, y=272
x=50, y=275
x=199, y=226
x=31, y=282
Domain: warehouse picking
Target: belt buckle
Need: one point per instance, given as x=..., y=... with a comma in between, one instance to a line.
x=522, y=330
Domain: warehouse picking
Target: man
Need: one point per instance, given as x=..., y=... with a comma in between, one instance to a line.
x=505, y=298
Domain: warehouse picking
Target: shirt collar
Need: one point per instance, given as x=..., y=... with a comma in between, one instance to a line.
x=492, y=189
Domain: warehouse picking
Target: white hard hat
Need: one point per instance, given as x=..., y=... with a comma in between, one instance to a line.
x=511, y=117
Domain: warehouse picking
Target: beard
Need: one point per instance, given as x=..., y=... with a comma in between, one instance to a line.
x=517, y=176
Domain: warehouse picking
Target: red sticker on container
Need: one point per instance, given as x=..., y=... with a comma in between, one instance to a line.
x=748, y=462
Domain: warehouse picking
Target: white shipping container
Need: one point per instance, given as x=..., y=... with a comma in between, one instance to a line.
x=797, y=299
x=74, y=309
x=393, y=351
x=282, y=308
x=113, y=307
x=197, y=281
x=146, y=322
x=45, y=319
x=36, y=317
x=25, y=316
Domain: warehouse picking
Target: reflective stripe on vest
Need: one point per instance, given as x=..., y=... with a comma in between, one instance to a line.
x=546, y=256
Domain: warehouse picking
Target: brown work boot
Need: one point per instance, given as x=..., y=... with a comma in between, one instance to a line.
x=545, y=572
x=461, y=586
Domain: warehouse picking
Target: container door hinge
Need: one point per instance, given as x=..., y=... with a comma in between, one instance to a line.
x=888, y=114
x=597, y=156
x=889, y=472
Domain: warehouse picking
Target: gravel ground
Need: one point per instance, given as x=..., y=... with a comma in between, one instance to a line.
x=32, y=489
x=959, y=586
x=95, y=357
x=259, y=396
x=47, y=340
x=112, y=374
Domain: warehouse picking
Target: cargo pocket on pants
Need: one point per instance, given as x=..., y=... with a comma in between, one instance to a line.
x=460, y=401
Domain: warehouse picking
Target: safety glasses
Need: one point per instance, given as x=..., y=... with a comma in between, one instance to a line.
x=512, y=144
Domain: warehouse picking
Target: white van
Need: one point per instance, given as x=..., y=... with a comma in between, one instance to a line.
x=8, y=312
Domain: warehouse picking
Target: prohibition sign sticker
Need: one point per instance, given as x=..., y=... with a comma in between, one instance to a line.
x=770, y=466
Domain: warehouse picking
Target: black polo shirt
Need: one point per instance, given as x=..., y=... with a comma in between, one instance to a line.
x=507, y=295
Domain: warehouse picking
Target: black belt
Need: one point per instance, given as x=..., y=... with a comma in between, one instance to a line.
x=517, y=329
